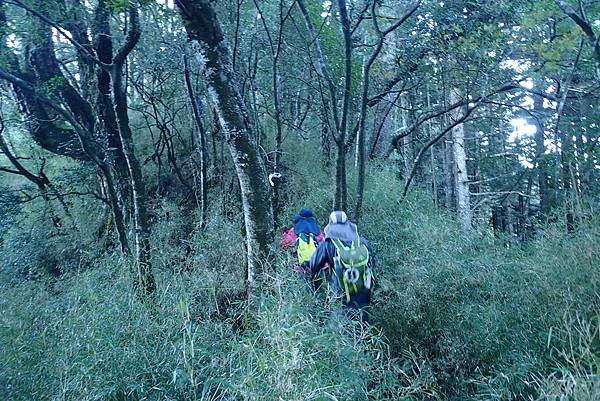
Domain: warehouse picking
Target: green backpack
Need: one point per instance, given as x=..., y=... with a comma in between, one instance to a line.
x=352, y=271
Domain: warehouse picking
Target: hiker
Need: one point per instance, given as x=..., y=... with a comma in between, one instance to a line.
x=305, y=236
x=351, y=256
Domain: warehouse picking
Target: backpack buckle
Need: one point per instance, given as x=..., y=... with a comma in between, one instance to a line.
x=351, y=275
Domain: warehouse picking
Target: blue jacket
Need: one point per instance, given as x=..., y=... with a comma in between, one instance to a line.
x=306, y=225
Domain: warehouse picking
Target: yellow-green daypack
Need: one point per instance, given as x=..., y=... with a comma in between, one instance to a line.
x=352, y=268
x=306, y=245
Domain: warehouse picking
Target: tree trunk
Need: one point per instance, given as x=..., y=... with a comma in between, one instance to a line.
x=202, y=25
x=117, y=212
x=145, y=278
x=325, y=138
x=201, y=143
x=341, y=201
x=564, y=155
x=360, y=140
x=115, y=158
x=381, y=122
x=407, y=150
x=275, y=79
x=448, y=173
x=448, y=158
x=434, y=181
x=543, y=179
x=463, y=198
x=340, y=123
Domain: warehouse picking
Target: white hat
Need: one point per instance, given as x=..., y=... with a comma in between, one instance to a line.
x=338, y=217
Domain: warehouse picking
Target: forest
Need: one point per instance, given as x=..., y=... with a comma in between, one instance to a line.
x=153, y=153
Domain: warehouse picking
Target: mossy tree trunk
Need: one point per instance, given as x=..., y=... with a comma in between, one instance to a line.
x=202, y=26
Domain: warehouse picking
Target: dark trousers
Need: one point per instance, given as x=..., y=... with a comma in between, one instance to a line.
x=358, y=306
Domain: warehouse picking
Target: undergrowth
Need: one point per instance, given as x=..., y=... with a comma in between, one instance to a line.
x=454, y=317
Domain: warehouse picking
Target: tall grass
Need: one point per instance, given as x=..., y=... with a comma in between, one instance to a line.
x=487, y=319
x=455, y=317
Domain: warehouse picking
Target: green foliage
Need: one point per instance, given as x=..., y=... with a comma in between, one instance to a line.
x=578, y=372
x=36, y=245
x=9, y=208
x=454, y=317
x=88, y=337
x=118, y=6
x=480, y=315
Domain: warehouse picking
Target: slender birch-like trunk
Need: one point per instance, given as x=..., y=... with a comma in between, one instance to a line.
x=463, y=196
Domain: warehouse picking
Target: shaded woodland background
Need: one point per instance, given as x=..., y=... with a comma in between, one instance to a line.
x=150, y=153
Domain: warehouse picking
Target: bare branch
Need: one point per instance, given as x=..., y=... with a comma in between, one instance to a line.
x=133, y=36
x=579, y=20
x=82, y=50
x=441, y=111
x=361, y=17
x=432, y=142
x=87, y=143
x=320, y=65
x=585, y=26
